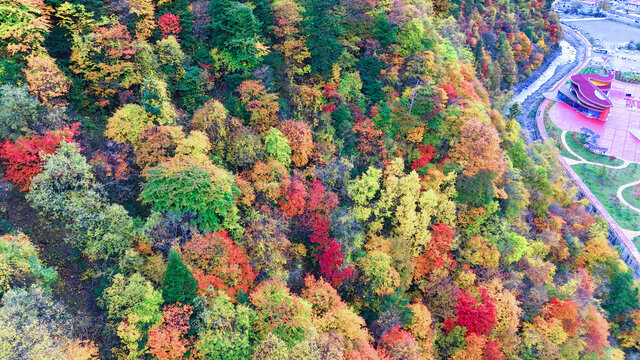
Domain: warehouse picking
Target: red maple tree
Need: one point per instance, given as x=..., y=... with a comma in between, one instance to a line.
x=492, y=351
x=170, y=25
x=426, y=154
x=167, y=339
x=218, y=262
x=295, y=198
x=477, y=315
x=566, y=311
x=400, y=344
x=319, y=206
x=24, y=158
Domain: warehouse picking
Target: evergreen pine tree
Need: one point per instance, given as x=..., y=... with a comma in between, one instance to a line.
x=506, y=60
x=384, y=31
x=322, y=28
x=622, y=295
x=179, y=285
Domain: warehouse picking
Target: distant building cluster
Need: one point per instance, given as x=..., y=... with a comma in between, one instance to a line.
x=632, y=6
x=577, y=6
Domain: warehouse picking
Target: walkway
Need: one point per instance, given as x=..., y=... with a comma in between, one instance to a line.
x=621, y=198
x=584, y=19
x=563, y=137
x=629, y=252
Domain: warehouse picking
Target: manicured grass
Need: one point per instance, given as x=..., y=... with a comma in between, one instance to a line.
x=631, y=198
x=605, y=190
x=555, y=132
x=636, y=242
x=592, y=70
x=576, y=144
x=629, y=77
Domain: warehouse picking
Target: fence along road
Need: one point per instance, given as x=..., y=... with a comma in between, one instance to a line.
x=628, y=251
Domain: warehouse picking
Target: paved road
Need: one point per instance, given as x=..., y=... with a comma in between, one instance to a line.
x=583, y=19
x=629, y=252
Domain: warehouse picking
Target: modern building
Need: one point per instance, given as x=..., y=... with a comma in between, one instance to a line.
x=632, y=6
x=588, y=93
x=599, y=62
x=589, y=6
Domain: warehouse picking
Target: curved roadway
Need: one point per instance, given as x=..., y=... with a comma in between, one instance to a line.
x=634, y=255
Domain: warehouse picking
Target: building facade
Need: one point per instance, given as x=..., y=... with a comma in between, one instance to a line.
x=588, y=93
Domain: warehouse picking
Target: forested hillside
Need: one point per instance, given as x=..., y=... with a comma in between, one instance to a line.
x=291, y=179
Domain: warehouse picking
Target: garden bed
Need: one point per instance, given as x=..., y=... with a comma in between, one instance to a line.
x=576, y=142
x=630, y=197
x=555, y=132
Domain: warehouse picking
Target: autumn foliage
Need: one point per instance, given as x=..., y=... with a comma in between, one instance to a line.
x=167, y=339
x=476, y=314
x=169, y=25
x=300, y=139
x=315, y=217
x=216, y=261
x=399, y=344
x=262, y=105
x=46, y=81
x=25, y=156
x=436, y=256
x=292, y=179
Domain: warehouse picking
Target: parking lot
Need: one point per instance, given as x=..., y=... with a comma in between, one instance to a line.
x=611, y=36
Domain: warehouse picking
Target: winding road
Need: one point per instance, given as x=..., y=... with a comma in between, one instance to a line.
x=629, y=253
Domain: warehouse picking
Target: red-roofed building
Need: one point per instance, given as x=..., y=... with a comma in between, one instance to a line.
x=588, y=93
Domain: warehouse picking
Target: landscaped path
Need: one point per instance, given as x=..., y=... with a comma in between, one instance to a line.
x=584, y=19
x=619, y=194
x=625, y=163
x=631, y=255
x=583, y=161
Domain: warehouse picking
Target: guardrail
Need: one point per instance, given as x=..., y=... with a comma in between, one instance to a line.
x=629, y=253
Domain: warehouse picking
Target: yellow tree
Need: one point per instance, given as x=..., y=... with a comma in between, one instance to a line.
x=214, y=120
x=23, y=26
x=421, y=329
x=332, y=315
x=290, y=42
x=479, y=149
x=144, y=9
x=508, y=317
x=262, y=105
x=126, y=124
x=45, y=80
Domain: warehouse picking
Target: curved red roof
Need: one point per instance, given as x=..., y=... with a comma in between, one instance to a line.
x=590, y=95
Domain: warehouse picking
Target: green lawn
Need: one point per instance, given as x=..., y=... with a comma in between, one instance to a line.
x=577, y=146
x=636, y=242
x=555, y=132
x=631, y=198
x=629, y=76
x=592, y=70
x=604, y=188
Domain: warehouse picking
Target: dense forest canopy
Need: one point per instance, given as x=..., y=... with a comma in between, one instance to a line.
x=291, y=179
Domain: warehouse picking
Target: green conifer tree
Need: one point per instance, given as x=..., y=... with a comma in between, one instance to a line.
x=179, y=285
x=622, y=295
x=321, y=26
